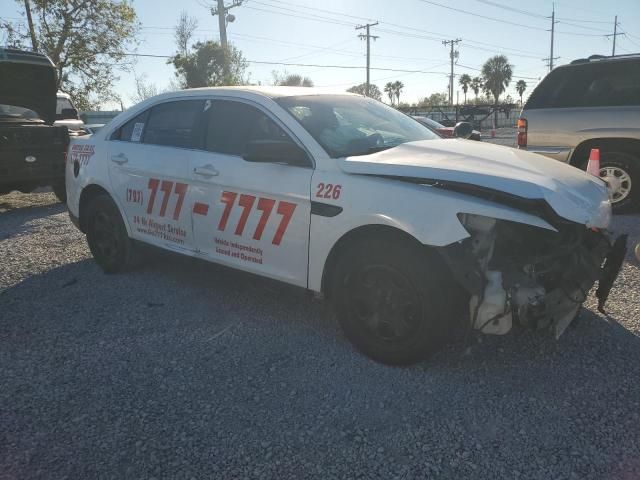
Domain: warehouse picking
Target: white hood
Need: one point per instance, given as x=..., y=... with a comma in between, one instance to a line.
x=571, y=193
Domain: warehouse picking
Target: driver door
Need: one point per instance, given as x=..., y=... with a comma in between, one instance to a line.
x=248, y=215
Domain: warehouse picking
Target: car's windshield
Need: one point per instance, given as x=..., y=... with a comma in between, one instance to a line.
x=351, y=125
x=21, y=113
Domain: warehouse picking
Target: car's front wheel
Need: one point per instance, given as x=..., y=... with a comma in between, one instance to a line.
x=107, y=235
x=391, y=299
x=621, y=171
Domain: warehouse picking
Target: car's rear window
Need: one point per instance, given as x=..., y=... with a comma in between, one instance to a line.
x=595, y=84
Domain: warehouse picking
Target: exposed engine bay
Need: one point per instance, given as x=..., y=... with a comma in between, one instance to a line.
x=537, y=278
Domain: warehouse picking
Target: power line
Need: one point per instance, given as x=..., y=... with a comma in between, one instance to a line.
x=477, y=69
x=503, y=21
x=512, y=9
x=482, y=16
x=315, y=65
x=304, y=16
x=439, y=35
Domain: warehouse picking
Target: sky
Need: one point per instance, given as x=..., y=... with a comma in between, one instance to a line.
x=408, y=48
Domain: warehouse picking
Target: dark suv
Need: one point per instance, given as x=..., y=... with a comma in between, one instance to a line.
x=590, y=103
x=32, y=149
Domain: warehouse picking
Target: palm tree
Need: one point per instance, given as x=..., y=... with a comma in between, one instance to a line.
x=476, y=86
x=389, y=89
x=397, y=88
x=521, y=86
x=497, y=74
x=465, y=82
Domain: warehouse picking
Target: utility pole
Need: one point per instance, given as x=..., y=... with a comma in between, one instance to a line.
x=548, y=62
x=453, y=55
x=221, y=11
x=368, y=37
x=553, y=28
x=614, y=35
x=32, y=31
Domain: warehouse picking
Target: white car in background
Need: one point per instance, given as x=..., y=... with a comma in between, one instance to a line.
x=347, y=197
x=67, y=114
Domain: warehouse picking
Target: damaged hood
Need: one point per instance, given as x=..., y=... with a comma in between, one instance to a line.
x=28, y=80
x=570, y=192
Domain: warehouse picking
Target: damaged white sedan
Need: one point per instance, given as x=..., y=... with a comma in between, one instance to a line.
x=350, y=199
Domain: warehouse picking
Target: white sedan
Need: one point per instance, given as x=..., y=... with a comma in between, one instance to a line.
x=347, y=197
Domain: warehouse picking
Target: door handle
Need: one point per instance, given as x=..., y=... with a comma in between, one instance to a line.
x=206, y=171
x=119, y=159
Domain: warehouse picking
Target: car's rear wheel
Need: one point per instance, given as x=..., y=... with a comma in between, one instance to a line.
x=621, y=172
x=107, y=235
x=391, y=299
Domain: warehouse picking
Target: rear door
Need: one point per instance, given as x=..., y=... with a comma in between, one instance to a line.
x=252, y=216
x=149, y=159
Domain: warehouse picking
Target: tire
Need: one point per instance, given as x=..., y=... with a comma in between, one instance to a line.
x=393, y=299
x=60, y=191
x=107, y=235
x=623, y=171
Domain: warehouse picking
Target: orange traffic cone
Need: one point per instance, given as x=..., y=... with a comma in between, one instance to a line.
x=593, y=167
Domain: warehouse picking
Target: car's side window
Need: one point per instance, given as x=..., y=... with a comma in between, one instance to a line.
x=132, y=130
x=174, y=124
x=233, y=125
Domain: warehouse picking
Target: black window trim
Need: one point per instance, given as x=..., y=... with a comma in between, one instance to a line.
x=147, y=111
x=274, y=118
x=269, y=114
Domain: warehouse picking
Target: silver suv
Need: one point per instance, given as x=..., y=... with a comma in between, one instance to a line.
x=590, y=103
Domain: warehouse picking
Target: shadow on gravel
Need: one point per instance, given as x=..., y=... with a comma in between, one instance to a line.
x=15, y=220
x=162, y=279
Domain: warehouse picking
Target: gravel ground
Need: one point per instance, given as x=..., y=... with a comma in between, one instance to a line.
x=182, y=369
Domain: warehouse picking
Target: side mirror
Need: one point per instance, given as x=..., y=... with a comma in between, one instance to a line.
x=276, y=151
x=462, y=130
x=68, y=114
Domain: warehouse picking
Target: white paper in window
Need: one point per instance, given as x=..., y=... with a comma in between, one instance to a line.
x=137, y=132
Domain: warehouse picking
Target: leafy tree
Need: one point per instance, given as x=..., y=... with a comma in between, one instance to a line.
x=374, y=91
x=496, y=73
x=144, y=90
x=86, y=40
x=389, y=89
x=11, y=34
x=476, y=86
x=204, y=66
x=291, y=80
x=397, y=89
x=184, y=31
x=465, y=83
x=521, y=86
x=433, y=99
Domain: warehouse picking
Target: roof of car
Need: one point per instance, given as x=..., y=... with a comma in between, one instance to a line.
x=15, y=55
x=269, y=91
x=603, y=58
